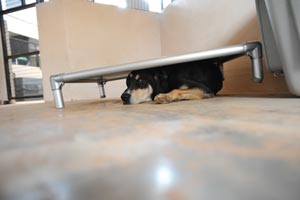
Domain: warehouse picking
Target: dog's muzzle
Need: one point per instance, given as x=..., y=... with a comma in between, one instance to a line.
x=126, y=98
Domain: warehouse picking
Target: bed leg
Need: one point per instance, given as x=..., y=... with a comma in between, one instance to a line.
x=57, y=93
x=101, y=88
x=255, y=53
x=59, y=101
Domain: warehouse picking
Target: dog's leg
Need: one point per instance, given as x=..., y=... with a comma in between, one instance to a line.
x=182, y=94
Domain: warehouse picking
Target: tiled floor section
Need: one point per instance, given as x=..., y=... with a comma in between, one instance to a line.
x=222, y=148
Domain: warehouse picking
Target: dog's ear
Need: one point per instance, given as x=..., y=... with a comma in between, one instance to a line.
x=161, y=82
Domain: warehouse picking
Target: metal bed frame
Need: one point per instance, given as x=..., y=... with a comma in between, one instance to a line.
x=101, y=75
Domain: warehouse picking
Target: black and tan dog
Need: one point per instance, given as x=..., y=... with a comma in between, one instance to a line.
x=187, y=81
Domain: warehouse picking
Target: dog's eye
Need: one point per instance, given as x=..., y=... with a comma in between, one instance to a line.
x=141, y=83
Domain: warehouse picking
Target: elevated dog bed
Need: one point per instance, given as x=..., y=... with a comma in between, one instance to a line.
x=101, y=75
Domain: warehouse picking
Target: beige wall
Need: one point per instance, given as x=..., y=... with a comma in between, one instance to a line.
x=77, y=35
x=195, y=25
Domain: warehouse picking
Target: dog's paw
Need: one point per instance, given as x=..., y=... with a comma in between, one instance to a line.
x=208, y=95
x=162, y=98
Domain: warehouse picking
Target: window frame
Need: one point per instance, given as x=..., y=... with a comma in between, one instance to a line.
x=7, y=57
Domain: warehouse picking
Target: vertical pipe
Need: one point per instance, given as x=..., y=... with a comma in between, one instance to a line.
x=101, y=89
x=254, y=51
x=56, y=86
x=58, y=98
x=257, y=70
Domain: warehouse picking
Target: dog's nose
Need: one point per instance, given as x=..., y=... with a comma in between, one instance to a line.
x=125, y=98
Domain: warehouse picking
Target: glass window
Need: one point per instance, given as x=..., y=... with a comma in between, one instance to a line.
x=22, y=44
x=149, y=5
x=119, y=3
x=30, y=1
x=7, y=4
x=21, y=49
x=22, y=30
x=26, y=76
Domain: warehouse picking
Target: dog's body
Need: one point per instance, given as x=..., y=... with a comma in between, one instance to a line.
x=186, y=81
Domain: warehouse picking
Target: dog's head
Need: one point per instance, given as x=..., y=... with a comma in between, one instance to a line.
x=142, y=86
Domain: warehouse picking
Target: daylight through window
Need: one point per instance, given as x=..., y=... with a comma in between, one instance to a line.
x=147, y=5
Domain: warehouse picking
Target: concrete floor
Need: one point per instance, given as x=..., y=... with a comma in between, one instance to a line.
x=222, y=148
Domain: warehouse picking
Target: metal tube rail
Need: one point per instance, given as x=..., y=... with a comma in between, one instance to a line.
x=101, y=75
